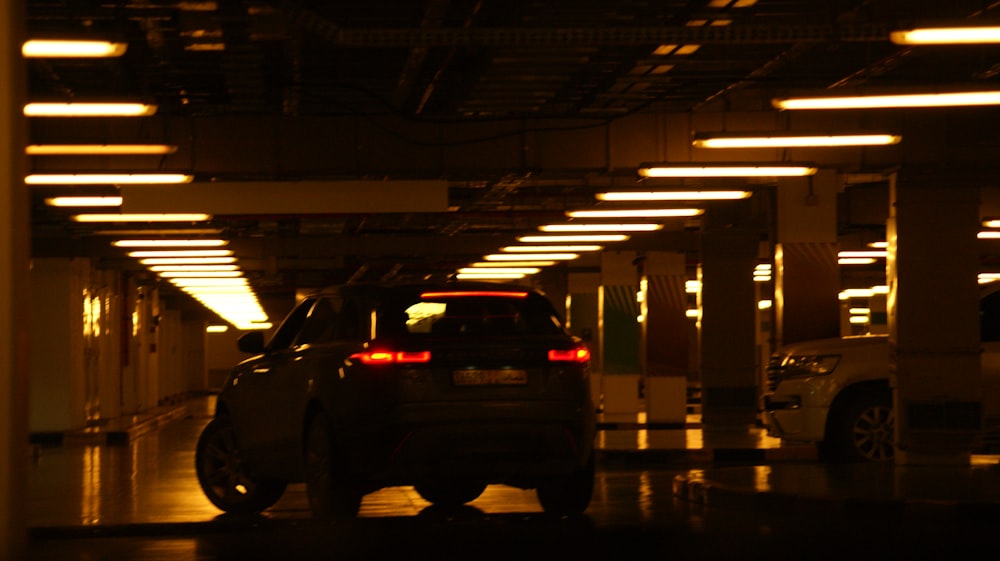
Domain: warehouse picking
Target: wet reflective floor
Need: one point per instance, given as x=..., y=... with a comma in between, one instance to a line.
x=141, y=501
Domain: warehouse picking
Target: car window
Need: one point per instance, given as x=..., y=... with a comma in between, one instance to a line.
x=320, y=325
x=291, y=326
x=462, y=315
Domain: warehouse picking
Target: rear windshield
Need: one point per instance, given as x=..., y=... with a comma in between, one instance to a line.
x=457, y=314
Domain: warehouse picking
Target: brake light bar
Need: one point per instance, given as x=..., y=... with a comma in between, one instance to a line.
x=465, y=293
x=578, y=355
x=392, y=357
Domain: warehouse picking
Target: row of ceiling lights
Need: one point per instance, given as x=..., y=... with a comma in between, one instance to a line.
x=529, y=258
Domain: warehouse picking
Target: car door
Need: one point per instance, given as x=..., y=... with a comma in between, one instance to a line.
x=255, y=405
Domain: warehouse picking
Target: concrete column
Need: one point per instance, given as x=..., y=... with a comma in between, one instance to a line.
x=15, y=243
x=666, y=337
x=620, y=333
x=807, y=277
x=728, y=331
x=667, y=327
x=583, y=317
x=933, y=310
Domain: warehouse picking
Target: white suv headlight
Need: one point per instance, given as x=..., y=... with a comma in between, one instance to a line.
x=807, y=365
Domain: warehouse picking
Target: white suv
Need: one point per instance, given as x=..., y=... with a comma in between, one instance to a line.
x=835, y=393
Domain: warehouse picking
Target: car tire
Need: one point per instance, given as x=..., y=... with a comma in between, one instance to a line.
x=863, y=431
x=332, y=490
x=450, y=494
x=569, y=495
x=223, y=475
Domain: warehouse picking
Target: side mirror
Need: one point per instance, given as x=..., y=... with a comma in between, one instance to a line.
x=251, y=342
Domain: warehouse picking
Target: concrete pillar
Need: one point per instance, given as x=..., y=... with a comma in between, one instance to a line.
x=728, y=331
x=15, y=243
x=666, y=338
x=583, y=317
x=59, y=354
x=807, y=277
x=933, y=310
x=620, y=332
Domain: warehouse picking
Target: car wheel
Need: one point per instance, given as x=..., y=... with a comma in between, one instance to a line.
x=864, y=431
x=568, y=495
x=450, y=494
x=224, y=476
x=331, y=489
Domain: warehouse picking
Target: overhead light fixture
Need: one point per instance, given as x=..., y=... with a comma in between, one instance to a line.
x=99, y=149
x=486, y=275
x=954, y=99
x=525, y=257
x=502, y=264
x=946, y=35
x=107, y=178
x=169, y=243
x=673, y=195
x=637, y=213
x=488, y=270
x=188, y=261
x=159, y=232
x=864, y=254
x=210, y=282
x=79, y=109
x=725, y=170
x=776, y=140
x=59, y=48
x=163, y=268
x=597, y=227
x=200, y=274
x=988, y=235
x=550, y=248
x=182, y=253
x=581, y=238
x=216, y=328
x=84, y=201
x=142, y=217
x=856, y=261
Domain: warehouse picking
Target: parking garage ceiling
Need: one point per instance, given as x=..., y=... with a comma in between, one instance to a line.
x=461, y=93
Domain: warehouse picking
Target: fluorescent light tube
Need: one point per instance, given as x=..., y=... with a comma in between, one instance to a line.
x=78, y=109
x=956, y=99
x=99, y=149
x=946, y=36
x=107, y=178
x=59, y=48
x=735, y=170
x=673, y=195
x=796, y=141
x=637, y=213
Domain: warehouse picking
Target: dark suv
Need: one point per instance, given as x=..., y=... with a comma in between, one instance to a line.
x=446, y=387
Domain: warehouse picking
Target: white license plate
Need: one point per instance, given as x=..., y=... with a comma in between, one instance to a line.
x=490, y=377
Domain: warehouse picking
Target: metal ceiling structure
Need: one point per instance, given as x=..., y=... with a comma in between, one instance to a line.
x=524, y=109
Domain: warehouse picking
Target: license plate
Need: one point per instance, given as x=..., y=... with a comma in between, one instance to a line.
x=490, y=377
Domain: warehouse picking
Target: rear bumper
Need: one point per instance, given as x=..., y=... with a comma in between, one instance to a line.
x=492, y=442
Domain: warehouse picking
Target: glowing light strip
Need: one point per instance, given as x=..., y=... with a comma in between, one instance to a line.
x=99, y=149
x=946, y=36
x=107, y=178
x=574, y=239
x=600, y=227
x=956, y=99
x=637, y=213
x=89, y=110
x=790, y=141
x=169, y=243
x=726, y=171
x=550, y=248
x=107, y=217
x=57, y=48
x=674, y=195
x=84, y=201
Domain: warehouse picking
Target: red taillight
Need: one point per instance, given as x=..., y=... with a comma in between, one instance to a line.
x=391, y=357
x=579, y=355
